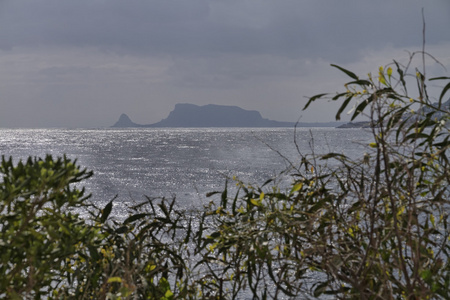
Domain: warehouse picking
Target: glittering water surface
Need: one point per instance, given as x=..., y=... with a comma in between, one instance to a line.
x=187, y=163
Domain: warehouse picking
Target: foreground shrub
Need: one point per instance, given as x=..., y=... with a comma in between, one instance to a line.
x=39, y=233
x=48, y=250
x=374, y=227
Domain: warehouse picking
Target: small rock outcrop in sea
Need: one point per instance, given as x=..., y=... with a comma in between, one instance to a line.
x=125, y=121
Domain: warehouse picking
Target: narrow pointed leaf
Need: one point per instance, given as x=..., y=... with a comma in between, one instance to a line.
x=439, y=78
x=313, y=98
x=135, y=217
x=402, y=76
x=209, y=194
x=331, y=155
x=339, y=96
x=106, y=211
x=224, y=196
x=360, y=82
x=444, y=91
x=351, y=74
x=296, y=188
x=359, y=109
x=343, y=106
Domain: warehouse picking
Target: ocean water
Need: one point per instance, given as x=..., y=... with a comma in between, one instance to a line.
x=186, y=163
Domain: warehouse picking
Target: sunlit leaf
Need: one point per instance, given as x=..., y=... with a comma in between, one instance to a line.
x=389, y=72
x=296, y=187
x=114, y=279
x=255, y=202
x=382, y=79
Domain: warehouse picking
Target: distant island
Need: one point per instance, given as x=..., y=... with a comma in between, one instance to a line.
x=362, y=124
x=211, y=115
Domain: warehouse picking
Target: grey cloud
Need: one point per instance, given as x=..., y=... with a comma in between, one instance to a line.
x=232, y=71
x=65, y=71
x=109, y=23
x=288, y=28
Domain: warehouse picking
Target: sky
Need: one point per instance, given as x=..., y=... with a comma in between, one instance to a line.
x=82, y=63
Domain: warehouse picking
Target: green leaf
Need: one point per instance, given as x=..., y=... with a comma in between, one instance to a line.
x=163, y=207
x=339, y=96
x=426, y=275
x=320, y=289
x=351, y=74
x=122, y=229
x=296, y=187
x=255, y=202
x=135, y=217
x=106, y=211
x=94, y=254
x=360, y=82
x=209, y=194
x=114, y=279
x=224, y=196
x=331, y=155
x=267, y=182
x=168, y=294
x=444, y=91
x=402, y=76
x=360, y=108
x=343, y=106
x=314, y=98
x=440, y=78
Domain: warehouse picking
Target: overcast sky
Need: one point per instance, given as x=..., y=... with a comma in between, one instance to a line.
x=81, y=63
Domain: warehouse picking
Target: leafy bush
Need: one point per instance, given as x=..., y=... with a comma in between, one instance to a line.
x=375, y=227
x=48, y=250
x=39, y=233
x=371, y=228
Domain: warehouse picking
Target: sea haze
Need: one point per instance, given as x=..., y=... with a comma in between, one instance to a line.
x=188, y=163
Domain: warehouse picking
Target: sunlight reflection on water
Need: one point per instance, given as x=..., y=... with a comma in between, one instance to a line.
x=188, y=163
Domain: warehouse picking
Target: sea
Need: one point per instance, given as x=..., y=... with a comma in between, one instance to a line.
x=186, y=163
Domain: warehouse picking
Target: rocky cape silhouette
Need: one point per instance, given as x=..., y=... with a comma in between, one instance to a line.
x=211, y=115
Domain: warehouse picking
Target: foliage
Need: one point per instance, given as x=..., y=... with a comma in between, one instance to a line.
x=373, y=227
x=39, y=233
x=47, y=249
x=386, y=234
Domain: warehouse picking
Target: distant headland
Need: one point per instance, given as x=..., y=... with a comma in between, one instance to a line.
x=419, y=115
x=212, y=115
